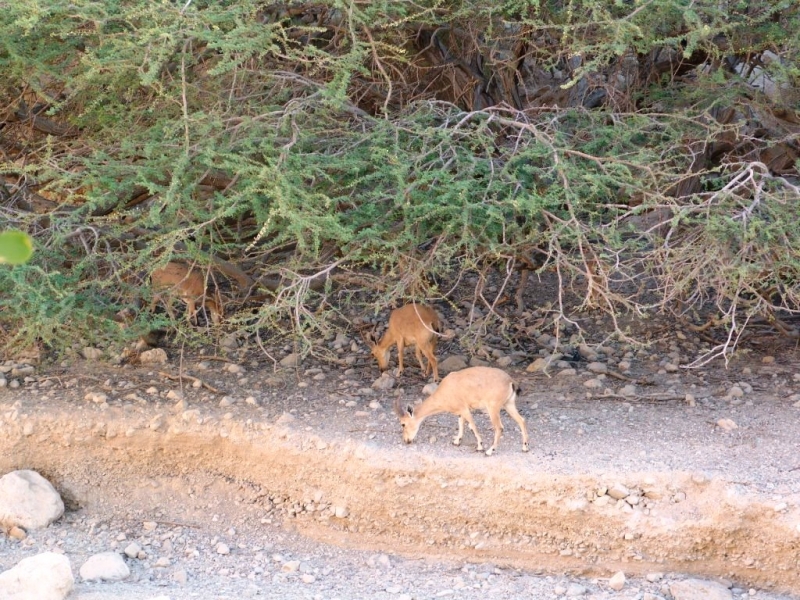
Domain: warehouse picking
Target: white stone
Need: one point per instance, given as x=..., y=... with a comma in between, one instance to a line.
x=617, y=581
x=284, y=419
x=96, y=397
x=180, y=576
x=156, y=356
x=132, y=550
x=696, y=589
x=383, y=383
x=175, y=395
x=574, y=590
x=105, y=566
x=429, y=388
x=90, y=353
x=618, y=491
x=46, y=576
x=28, y=500
x=290, y=566
x=735, y=392
x=222, y=548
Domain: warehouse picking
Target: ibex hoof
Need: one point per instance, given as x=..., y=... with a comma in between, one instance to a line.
x=490, y=451
x=524, y=447
x=456, y=442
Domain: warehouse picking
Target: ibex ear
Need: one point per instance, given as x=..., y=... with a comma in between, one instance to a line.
x=410, y=411
x=398, y=410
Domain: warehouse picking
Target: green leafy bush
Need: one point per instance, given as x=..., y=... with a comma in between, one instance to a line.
x=392, y=147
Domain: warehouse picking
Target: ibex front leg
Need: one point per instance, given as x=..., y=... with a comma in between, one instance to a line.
x=467, y=416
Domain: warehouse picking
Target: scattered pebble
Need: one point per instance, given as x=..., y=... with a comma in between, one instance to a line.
x=290, y=360
x=575, y=590
x=223, y=549
x=617, y=581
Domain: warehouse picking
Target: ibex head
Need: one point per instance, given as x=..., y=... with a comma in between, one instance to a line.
x=409, y=424
x=379, y=351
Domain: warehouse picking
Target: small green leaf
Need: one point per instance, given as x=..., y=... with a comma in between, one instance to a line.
x=15, y=247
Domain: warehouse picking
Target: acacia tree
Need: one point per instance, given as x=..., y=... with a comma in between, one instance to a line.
x=634, y=147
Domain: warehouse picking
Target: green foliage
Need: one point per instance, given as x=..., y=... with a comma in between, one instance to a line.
x=332, y=126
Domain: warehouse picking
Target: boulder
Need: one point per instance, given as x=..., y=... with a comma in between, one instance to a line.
x=46, y=576
x=28, y=500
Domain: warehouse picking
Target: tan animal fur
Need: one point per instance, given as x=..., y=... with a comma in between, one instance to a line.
x=411, y=325
x=179, y=280
x=461, y=392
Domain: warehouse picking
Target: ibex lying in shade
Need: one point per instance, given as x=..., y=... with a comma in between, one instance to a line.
x=460, y=392
x=178, y=279
x=413, y=325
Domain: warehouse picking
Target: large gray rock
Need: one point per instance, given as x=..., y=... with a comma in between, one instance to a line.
x=106, y=566
x=696, y=589
x=46, y=576
x=452, y=363
x=28, y=500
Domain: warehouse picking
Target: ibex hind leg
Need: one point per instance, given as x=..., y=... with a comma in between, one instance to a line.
x=511, y=409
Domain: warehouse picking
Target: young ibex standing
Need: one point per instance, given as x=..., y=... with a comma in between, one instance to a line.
x=177, y=279
x=413, y=324
x=484, y=388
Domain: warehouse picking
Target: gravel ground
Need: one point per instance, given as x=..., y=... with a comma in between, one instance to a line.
x=245, y=480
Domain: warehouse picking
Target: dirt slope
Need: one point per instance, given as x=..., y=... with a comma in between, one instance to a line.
x=325, y=457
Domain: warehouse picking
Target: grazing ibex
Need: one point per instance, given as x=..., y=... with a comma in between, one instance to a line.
x=179, y=280
x=413, y=324
x=484, y=388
